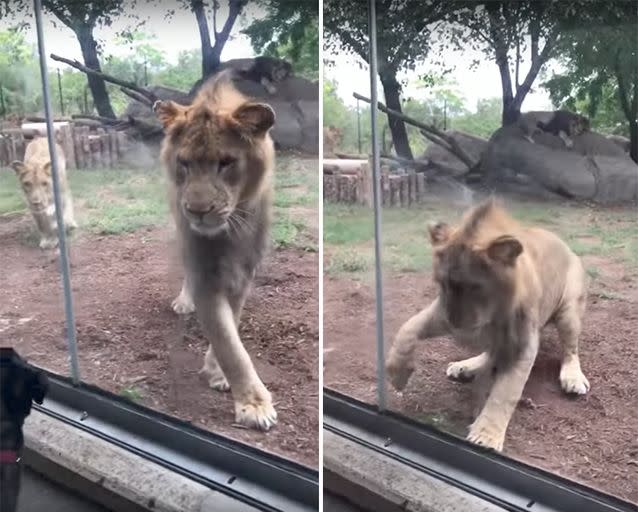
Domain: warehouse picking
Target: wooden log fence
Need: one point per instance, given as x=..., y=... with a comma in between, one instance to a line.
x=84, y=147
x=354, y=186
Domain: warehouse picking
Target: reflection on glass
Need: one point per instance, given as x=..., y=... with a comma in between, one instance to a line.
x=125, y=267
x=533, y=104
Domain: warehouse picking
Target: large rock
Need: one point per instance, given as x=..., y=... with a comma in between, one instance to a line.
x=595, y=168
x=295, y=102
x=442, y=160
x=623, y=142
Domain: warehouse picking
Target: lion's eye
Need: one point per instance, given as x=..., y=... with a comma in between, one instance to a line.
x=226, y=161
x=27, y=184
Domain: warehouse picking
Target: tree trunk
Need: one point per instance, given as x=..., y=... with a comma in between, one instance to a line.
x=633, y=138
x=210, y=59
x=88, y=45
x=392, y=91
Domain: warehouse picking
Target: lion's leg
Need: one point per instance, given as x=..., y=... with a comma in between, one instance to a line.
x=568, y=324
x=566, y=139
x=491, y=424
x=216, y=378
x=429, y=323
x=268, y=85
x=69, y=215
x=467, y=369
x=253, y=403
x=183, y=303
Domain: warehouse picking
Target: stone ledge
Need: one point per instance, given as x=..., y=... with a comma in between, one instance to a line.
x=112, y=476
x=376, y=482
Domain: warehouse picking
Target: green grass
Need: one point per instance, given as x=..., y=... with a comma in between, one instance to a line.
x=111, y=202
x=133, y=394
x=349, y=233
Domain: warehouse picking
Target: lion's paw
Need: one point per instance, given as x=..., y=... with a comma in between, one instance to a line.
x=486, y=437
x=460, y=371
x=183, y=304
x=256, y=413
x=398, y=373
x=574, y=382
x=70, y=224
x=216, y=379
x=48, y=243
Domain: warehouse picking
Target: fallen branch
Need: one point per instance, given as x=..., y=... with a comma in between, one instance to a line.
x=434, y=134
x=99, y=119
x=138, y=97
x=152, y=98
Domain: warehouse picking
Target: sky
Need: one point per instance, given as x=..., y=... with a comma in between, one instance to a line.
x=352, y=75
x=174, y=35
x=180, y=33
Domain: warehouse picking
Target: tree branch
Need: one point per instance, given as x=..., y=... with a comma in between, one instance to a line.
x=122, y=83
x=622, y=89
x=450, y=144
x=234, y=8
x=534, y=69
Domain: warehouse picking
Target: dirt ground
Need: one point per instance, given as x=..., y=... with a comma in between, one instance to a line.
x=591, y=439
x=128, y=337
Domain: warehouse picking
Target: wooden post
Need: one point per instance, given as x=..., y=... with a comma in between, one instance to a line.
x=420, y=187
x=413, y=194
x=66, y=141
x=395, y=190
x=86, y=148
x=405, y=192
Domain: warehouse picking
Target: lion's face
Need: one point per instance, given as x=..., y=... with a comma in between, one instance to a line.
x=36, y=182
x=474, y=281
x=580, y=125
x=215, y=158
x=281, y=71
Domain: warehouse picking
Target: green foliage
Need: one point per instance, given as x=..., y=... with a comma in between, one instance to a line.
x=290, y=31
x=19, y=74
x=601, y=75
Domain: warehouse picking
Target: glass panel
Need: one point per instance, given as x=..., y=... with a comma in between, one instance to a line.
x=125, y=262
x=565, y=168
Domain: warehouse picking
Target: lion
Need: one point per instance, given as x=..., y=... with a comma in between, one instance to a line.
x=332, y=137
x=499, y=283
x=219, y=158
x=264, y=70
x=561, y=123
x=37, y=183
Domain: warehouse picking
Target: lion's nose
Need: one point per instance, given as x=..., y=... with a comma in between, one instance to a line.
x=198, y=209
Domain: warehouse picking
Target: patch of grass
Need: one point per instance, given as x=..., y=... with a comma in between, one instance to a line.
x=593, y=272
x=348, y=261
x=131, y=393
x=11, y=196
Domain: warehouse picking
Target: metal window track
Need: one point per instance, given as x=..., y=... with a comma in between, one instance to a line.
x=262, y=480
x=510, y=484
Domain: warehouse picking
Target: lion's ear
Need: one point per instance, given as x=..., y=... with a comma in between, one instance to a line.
x=505, y=249
x=439, y=232
x=168, y=112
x=254, y=118
x=17, y=166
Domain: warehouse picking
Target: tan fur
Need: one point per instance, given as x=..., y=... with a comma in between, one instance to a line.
x=219, y=157
x=499, y=284
x=36, y=182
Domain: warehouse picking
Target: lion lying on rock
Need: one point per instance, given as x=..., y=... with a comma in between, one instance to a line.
x=37, y=184
x=499, y=284
x=220, y=158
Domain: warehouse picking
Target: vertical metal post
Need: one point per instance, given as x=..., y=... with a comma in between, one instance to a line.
x=64, y=256
x=60, y=92
x=358, y=126
x=376, y=186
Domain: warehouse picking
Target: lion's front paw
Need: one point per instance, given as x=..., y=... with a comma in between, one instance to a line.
x=398, y=373
x=183, y=304
x=70, y=224
x=573, y=381
x=257, y=412
x=486, y=437
x=460, y=371
x=48, y=243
